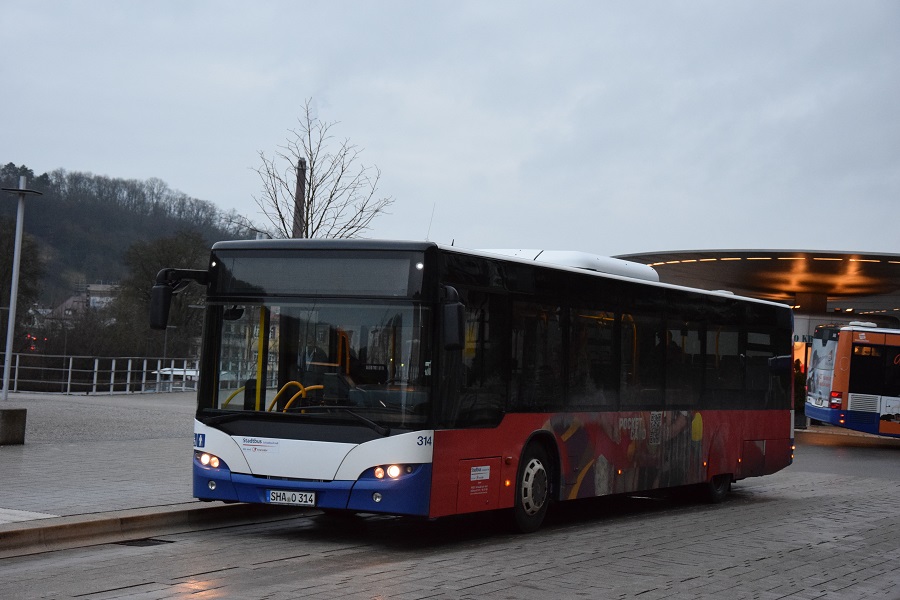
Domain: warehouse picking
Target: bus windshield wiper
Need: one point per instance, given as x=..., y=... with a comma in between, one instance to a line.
x=234, y=416
x=379, y=429
x=223, y=418
x=219, y=419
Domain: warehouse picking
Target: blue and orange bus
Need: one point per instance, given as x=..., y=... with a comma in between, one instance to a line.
x=853, y=379
x=413, y=378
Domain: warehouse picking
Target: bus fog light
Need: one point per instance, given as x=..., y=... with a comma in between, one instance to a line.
x=211, y=485
x=376, y=497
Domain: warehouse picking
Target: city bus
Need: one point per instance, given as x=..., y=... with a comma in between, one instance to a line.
x=412, y=378
x=853, y=379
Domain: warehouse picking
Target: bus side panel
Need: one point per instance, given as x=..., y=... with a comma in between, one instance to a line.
x=766, y=445
x=889, y=428
x=889, y=423
x=607, y=453
x=471, y=466
x=841, y=379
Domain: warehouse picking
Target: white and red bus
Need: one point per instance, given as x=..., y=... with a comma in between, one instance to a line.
x=416, y=379
x=853, y=379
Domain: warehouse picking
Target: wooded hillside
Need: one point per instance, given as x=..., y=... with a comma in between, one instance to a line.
x=84, y=224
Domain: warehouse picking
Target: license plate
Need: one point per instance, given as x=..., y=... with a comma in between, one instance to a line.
x=292, y=498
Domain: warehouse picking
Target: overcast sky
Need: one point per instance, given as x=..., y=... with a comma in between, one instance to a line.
x=605, y=127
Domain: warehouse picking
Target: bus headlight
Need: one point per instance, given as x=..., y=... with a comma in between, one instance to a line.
x=209, y=460
x=392, y=471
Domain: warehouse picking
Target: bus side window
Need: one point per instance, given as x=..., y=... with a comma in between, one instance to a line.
x=538, y=381
x=643, y=360
x=892, y=371
x=593, y=377
x=724, y=369
x=768, y=375
x=482, y=390
x=684, y=364
x=767, y=383
x=867, y=370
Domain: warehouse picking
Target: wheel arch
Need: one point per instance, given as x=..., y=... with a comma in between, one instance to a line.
x=548, y=442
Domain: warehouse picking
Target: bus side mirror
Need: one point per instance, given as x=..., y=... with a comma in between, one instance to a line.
x=454, y=318
x=160, y=303
x=168, y=282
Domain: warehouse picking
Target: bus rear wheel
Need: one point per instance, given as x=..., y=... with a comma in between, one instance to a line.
x=716, y=489
x=532, y=489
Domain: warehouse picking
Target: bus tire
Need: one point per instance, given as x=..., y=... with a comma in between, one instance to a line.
x=532, y=489
x=716, y=489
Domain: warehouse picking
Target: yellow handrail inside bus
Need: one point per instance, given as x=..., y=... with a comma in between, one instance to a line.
x=301, y=394
x=343, y=353
x=281, y=391
x=233, y=394
x=261, y=339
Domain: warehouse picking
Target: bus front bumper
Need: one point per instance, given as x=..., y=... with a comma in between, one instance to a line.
x=407, y=495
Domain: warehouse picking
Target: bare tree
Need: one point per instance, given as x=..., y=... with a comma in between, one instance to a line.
x=339, y=195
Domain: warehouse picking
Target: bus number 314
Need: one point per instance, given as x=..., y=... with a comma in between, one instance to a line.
x=423, y=440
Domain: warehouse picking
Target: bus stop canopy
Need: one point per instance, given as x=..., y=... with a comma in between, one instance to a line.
x=812, y=281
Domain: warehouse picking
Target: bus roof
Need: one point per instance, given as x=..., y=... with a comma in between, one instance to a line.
x=584, y=260
x=556, y=259
x=323, y=244
x=858, y=326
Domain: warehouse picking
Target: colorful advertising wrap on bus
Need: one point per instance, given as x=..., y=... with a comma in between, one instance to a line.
x=601, y=454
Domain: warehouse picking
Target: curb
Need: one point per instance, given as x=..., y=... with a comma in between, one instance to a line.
x=847, y=436
x=59, y=533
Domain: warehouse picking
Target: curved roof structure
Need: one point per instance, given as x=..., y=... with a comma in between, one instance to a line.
x=812, y=281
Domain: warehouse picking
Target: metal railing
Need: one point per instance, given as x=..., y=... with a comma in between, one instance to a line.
x=100, y=375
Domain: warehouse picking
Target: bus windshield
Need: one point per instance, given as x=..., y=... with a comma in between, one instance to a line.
x=369, y=360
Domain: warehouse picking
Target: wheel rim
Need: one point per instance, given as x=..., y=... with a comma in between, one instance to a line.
x=534, y=487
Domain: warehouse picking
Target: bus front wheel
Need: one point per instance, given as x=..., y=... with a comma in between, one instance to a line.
x=532, y=489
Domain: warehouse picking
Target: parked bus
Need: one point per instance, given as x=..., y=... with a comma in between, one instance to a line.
x=853, y=379
x=412, y=378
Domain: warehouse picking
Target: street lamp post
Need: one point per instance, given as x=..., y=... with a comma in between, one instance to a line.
x=12, y=421
x=14, y=286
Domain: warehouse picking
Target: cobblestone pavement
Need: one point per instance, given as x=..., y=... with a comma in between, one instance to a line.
x=789, y=536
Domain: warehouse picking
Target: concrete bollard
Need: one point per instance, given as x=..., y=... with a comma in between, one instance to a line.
x=12, y=426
